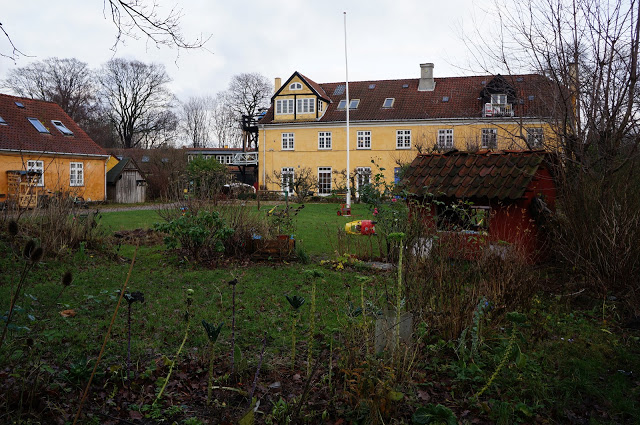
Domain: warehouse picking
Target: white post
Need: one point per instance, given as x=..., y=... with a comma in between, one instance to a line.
x=346, y=68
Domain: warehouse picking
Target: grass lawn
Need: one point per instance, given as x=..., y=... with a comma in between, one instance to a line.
x=568, y=363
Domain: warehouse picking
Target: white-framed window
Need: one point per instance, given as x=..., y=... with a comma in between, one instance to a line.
x=284, y=106
x=38, y=167
x=353, y=104
x=287, y=179
x=445, y=138
x=499, y=99
x=287, y=141
x=295, y=86
x=223, y=159
x=306, y=106
x=342, y=104
x=490, y=138
x=324, y=180
x=61, y=127
x=535, y=137
x=76, y=174
x=38, y=125
x=364, y=139
x=388, y=102
x=403, y=139
x=363, y=175
x=320, y=105
x=324, y=140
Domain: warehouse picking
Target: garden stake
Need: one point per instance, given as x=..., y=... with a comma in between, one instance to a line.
x=399, y=290
x=131, y=298
x=106, y=338
x=255, y=378
x=187, y=316
x=233, y=284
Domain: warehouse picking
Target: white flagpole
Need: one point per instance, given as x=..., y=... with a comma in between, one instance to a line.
x=346, y=68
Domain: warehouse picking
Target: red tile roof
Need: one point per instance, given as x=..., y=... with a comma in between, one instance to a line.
x=464, y=98
x=20, y=135
x=485, y=174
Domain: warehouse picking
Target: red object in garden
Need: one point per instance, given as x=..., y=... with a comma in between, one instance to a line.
x=345, y=210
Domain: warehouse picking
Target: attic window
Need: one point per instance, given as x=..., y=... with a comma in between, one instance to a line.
x=38, y=125
x=372, y=86
x=531, y=97
x=405, y=86
x=354, y=103
x=2, y=121
x=19, y=105
x=388, y=102
x=342, y=104
x=339, y=90
x=295, y=86
x=60, y=126
x=145, y=158
x=520, y=79
x=445, y=98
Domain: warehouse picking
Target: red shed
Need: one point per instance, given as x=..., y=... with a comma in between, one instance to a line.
x=485, y=197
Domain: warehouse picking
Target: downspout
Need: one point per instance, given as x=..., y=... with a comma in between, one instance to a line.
x=264, y=157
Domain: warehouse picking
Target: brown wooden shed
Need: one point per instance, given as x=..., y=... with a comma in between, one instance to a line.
x=125, y=183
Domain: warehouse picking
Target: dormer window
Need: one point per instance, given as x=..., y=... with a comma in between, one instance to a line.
x=306, y=106
x=38, y=125
x=63, y=129
x=354, y=103
x=342, y=104
x=388, y=102
x=295, y=86
x=499, y=99
x=284, y=106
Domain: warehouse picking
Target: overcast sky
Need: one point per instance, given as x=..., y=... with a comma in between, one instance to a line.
x=386, y=39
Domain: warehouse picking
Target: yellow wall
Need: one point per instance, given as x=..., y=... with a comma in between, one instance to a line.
x=304, y=93
x=467, y=136
x=57, y=174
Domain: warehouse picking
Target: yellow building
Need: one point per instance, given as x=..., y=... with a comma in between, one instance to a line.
x=391, y=121
x=44, y=152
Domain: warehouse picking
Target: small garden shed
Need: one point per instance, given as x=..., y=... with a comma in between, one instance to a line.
x=495, y=197
x=125, y=183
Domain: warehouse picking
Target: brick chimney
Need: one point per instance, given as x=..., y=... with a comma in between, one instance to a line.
x=426, y=77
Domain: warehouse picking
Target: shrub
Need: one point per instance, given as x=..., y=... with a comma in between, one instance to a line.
x=201, y=233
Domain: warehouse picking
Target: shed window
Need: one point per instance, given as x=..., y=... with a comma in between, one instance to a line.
x=463, y=218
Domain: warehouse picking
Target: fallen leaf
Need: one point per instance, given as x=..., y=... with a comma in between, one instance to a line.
x=423, y=395
x=68, y=313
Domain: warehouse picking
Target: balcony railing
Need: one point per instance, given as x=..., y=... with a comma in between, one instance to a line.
x=245, y=158
x=497, y=110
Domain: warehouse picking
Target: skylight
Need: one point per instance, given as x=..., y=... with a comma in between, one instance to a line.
x=342, y=104
x=60, y=126
x=445, y=98
x=2, y=121
x=38, y=125
x=405, y=86
x=354, y=103
x=19, y=105
x=388, y=102
x=372, y=86
x=339, y=90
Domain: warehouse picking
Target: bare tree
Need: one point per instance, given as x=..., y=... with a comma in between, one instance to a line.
x=196, y=120
x=226, y=125
x=247, y=94
x=302, y=181
x=138, y=100
x=68, y=82
x=588, y=52
x=133, y=18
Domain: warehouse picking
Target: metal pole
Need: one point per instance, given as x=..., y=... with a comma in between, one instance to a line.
x=346, y=68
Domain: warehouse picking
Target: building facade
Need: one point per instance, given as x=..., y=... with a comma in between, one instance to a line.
x=391, y=121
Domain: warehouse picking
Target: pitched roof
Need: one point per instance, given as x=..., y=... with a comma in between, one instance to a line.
x=114, y=173
x=453, y=97
x=487, y=175
x=19, y=134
